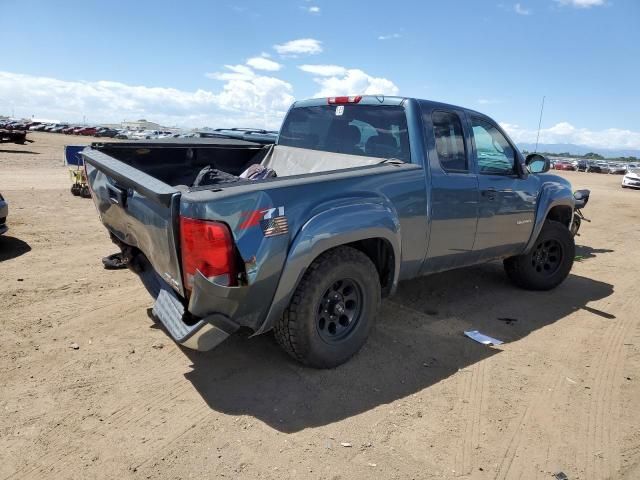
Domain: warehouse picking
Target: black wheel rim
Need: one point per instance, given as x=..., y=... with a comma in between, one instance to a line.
x=339, y=310
x=547, y=257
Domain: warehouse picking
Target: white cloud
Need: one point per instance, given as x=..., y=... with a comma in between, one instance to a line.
x=389, y=37
x=582, y=3
x=301, y=46
x=564, y=132
x=237, y=72
x=314, y=9
x=263, y=63
x=336, y=80
x=323, y=70
x=520, y=10
x=245, y=99
x=488, y=101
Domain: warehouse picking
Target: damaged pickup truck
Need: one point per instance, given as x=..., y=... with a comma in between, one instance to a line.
x=307, y=235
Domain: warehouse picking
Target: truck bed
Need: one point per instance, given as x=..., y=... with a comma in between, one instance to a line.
x=177, y=161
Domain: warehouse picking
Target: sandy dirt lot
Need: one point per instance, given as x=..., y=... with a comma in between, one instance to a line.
x=420, y=401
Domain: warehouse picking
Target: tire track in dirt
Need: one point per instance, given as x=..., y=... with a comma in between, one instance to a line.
x=516, y=464
x=474, y=401
x=124, y=417
x=601, y=456
x=159, y=400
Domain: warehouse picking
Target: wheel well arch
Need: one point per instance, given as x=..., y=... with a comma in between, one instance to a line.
x=381, y=253
x=562, y=214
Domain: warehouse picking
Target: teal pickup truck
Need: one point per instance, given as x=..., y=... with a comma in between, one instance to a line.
x=355, y=195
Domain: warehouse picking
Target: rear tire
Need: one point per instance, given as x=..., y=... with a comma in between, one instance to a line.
x=333, y=309
x=548, y=263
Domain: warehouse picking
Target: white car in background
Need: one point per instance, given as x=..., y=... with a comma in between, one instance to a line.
x=631, y=179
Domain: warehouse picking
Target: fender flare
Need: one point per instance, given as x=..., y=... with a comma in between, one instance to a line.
x=552, y=195
x=329, y=229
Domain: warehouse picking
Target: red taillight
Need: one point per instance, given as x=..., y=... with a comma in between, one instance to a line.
x=207, y=247
x=342, y=100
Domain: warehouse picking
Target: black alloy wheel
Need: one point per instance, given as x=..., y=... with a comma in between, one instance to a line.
x=339, y=310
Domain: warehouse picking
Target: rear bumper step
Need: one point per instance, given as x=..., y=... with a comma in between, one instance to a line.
x=204, y=335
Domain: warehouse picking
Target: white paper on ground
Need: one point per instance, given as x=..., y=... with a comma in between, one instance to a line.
x=482, y=338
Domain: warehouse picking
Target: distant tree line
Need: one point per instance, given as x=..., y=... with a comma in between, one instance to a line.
x=588, y=156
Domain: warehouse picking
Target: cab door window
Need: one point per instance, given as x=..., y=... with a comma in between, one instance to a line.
x=495, y=155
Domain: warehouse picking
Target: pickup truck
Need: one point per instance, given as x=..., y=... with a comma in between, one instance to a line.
x=368, y=191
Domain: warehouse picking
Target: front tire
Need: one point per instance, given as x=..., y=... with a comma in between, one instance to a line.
x=548, y=263
x=333, y=309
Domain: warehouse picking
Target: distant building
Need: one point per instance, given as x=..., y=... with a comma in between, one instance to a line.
x=141, y=124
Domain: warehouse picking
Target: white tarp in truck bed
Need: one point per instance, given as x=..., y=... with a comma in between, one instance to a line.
x=287, y=161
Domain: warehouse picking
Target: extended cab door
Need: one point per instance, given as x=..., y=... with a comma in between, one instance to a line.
x=507, y=194
x=454, y=190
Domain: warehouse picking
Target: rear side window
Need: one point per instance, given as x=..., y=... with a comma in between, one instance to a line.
x=447, y=130
x=367, y=130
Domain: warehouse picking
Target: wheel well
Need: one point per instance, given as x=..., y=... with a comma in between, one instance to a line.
x=562, y=214
x=381, y=254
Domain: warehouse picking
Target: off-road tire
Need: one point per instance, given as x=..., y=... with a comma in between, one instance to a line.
x=298, y=331
x=522, y=269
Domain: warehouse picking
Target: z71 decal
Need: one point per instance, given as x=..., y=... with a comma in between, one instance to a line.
x=271, y=220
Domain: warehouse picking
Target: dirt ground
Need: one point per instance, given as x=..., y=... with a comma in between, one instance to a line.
x=420, y=401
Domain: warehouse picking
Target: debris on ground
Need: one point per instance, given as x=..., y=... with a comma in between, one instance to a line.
x=560, y=476
x=482, y=338
x=507, y=320
x=74, y=345
x=157, y=345
x=346, y=444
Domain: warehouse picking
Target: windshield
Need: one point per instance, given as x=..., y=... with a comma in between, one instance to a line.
x=367, y=130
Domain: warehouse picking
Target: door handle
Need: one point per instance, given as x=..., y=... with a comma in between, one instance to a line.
x=489, y=193
x=117, y=195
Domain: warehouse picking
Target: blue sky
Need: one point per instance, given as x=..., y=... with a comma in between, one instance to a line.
x=185, y=63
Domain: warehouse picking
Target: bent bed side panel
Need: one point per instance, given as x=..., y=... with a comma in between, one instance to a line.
x=139, y=210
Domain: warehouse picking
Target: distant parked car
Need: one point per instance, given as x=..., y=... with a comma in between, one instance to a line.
x=107, y=132
x=564, y=166
x=16, y=126
x=582, y=165
x=4, y=211
x=604, y=167
x=124, y=134
x=59, y=128
x=594, y=168
x=617, y=168
x=631, y=179
x=86, y=131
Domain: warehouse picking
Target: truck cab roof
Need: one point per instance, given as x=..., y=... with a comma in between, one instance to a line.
x=381, y=100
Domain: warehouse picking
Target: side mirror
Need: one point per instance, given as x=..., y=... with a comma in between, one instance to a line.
x=537, y=163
